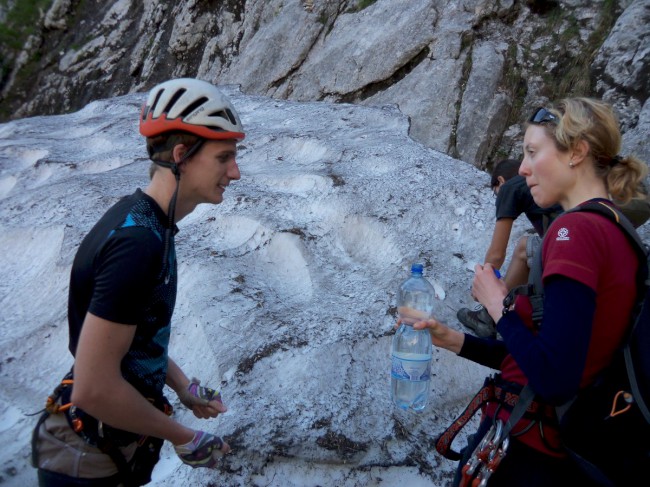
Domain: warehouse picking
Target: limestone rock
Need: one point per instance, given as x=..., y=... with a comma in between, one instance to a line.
x=465, y=72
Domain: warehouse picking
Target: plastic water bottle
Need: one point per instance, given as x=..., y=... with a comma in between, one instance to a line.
x=411, y=350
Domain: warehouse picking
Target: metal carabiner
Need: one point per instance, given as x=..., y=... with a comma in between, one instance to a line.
x=499, y=431
x=474, y=462
x=495, y=459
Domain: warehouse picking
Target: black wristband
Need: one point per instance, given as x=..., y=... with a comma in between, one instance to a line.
x=508, y=302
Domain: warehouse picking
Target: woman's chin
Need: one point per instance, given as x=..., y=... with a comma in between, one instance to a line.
x=541, y=200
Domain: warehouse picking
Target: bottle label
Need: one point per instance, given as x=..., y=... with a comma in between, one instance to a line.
x=411, y=366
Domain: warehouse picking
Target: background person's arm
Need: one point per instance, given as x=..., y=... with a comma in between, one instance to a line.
x=496, y=252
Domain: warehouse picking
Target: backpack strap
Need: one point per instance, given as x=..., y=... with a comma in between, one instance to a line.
x=643, y=285
x=534, y=290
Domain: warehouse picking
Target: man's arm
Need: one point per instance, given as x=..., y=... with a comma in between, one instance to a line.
x=204, y=402
x=496, y=253
x=176, y=378
x=101, y=391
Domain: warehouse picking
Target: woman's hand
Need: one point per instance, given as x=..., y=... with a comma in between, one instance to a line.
x=441, y=335
x=488, y=290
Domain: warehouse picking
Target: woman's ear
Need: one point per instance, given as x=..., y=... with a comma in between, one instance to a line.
x=501, y=180
x=580, y=151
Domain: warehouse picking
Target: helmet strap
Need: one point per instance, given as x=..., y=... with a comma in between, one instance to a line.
x=171, y=210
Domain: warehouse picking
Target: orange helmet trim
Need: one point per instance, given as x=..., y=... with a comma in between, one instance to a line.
x=151, y=127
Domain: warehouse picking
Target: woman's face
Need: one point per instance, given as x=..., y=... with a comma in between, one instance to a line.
x=545, y=168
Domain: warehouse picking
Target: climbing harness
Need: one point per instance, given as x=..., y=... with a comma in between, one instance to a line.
x=495, y=390
x=108, y=440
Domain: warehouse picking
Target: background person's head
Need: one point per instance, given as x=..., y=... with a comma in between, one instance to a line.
x=584, y=131
x=504, y=170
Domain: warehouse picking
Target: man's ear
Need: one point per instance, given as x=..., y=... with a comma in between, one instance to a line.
x=501, y=180
x=580, y=151
x=178, y=152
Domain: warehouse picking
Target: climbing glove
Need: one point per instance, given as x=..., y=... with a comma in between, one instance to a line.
x=204, y=450
x=197, y=395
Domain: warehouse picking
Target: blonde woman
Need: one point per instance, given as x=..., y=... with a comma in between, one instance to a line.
x=571, y=156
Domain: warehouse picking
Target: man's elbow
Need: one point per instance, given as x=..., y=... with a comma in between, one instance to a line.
x=88, y=396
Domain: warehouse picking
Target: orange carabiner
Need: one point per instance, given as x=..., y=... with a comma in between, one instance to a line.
x=627, y=397
x=77, y=425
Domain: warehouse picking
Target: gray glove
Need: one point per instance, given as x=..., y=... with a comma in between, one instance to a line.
x=203, y=451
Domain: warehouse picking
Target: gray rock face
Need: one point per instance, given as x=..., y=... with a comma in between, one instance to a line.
x=466, y=72
x=636, y=139
x=481, y=121
x=622, y=65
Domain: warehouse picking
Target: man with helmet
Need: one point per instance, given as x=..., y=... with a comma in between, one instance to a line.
x=105, y=423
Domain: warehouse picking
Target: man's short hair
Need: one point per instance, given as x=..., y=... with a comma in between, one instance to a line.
x=160, y=147
x=506, y=168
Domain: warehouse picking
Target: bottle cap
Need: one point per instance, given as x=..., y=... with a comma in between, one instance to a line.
x=417, y=268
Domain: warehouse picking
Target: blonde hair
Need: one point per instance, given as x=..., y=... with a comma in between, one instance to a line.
x=596, y=123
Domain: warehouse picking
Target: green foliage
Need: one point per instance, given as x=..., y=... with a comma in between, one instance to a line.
x=21, y=22
x=365, y=3
x=361, y=4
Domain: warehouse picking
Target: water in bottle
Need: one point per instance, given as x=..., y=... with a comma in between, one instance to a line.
x=411, y=349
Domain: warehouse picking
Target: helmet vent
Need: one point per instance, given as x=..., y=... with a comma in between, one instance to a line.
x=193, y=106
x=152, y=108
x=231, y=116
x=174, y=99
x=226, y=114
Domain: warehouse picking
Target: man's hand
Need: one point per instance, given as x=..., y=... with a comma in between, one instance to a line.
x=204, y=450
x=203, y=401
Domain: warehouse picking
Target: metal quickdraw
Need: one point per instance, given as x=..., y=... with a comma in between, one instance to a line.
x=494, y=390
x=492, y=449
x=486, y=457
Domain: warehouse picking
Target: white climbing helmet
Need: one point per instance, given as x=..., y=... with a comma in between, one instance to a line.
x=190, y=105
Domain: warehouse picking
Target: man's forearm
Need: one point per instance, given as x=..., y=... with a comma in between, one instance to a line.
x=176, y=378
x=496, y=257
x=120, y=405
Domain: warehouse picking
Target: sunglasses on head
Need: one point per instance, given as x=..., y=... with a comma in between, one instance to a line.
x=542, y=115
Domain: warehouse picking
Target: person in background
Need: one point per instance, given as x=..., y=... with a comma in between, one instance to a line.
x=571, y=156
x=513, y=198
x=105, y=423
